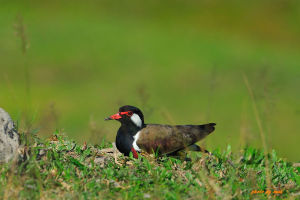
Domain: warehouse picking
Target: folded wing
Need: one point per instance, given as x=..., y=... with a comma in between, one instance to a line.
x=166, y=139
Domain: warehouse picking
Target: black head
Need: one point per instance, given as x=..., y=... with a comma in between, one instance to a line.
x=129, y=114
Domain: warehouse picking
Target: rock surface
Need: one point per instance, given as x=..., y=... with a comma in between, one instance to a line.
x=9, y=138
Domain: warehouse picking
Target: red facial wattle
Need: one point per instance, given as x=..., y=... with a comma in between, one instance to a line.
x=128, y=113
x=119, y=115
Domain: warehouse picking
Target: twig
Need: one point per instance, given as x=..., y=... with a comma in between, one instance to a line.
x=115, y=154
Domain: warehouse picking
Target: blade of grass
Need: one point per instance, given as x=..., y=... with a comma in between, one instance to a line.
x=261, y=131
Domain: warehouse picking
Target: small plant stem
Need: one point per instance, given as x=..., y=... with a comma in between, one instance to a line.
x=21, y=33
x=261, y=131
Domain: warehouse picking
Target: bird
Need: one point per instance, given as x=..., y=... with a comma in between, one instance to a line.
x=136, y=136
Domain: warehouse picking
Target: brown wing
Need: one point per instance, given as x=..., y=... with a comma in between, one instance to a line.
x=166, y=139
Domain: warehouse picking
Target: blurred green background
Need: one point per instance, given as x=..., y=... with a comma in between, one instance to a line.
x=181, y=62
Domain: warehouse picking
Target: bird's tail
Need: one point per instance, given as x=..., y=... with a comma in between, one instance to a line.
x=208, y=127
x=203, y=131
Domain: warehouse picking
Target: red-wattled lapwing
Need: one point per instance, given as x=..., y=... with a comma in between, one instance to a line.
x=136, y=136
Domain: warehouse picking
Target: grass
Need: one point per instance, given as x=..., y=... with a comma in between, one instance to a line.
x=71, y=65
x=181, y=62
x=84, y=61
x=61, y=168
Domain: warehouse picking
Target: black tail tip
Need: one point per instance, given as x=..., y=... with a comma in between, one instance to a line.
x=211, y=127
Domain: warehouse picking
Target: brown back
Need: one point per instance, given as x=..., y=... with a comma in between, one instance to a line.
x=166, y=139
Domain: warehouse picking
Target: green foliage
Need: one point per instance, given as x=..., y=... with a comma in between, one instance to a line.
x=70, y=64
x=60, y=168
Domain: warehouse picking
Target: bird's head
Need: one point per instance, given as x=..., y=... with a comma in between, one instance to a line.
x=129, y=114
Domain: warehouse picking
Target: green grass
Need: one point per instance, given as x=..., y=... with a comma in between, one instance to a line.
x=180, y=62
x=67, y=170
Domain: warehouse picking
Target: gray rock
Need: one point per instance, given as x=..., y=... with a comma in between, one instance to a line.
x=9, y=138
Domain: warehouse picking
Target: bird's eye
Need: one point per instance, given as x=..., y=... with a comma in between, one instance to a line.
x=129, y=113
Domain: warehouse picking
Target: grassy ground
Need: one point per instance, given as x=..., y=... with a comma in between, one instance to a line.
x=61, y=168
x=181, y=62
x=71, y=64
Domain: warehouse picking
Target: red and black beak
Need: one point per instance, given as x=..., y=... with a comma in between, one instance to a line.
x=115, y=117
x=119, y=115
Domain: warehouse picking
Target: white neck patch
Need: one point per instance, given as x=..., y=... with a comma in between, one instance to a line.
x=136, y=120
x=136, y=137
